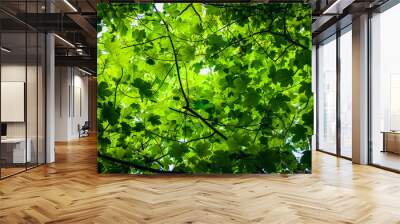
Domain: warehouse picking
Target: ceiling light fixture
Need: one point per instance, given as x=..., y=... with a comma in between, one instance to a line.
x=337, y=7
x=70, y=5
x=84, y=71
x=64, y=40
x=5, y=50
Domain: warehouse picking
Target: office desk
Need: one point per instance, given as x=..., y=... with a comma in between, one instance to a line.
x=391, y=141
x=13, y=150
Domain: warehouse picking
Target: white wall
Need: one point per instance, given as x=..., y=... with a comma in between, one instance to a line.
x=71, y=102
x=13, y=72
x=62, y=82
x=80, y=110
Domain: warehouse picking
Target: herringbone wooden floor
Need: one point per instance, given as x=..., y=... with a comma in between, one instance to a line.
x=71, y=191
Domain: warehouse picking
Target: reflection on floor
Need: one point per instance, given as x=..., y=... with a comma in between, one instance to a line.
x=386, y=159
x=8, y=170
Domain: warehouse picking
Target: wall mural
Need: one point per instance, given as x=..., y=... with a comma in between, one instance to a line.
x=204, y=88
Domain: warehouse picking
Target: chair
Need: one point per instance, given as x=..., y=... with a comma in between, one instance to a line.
x=84, y=130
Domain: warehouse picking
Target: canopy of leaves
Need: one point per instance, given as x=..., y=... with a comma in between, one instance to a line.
x=204, y=88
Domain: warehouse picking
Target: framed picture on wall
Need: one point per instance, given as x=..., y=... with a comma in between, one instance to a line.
x=204, y=88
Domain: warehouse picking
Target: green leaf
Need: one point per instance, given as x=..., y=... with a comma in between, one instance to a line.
x=135, y=106
x=109, y=113
x=188, y=51
x=126, y=128
x=143, y=86
x=306, y=88
x=150, y=61
x=308, y=118
x=201, y=104
x=155, y=119
x=306, y=160
x=139, y=127
x=279, y=101
x=300, y=133
x=223, y=162
x=202, y=149
x=282, y=76
x=197, y=67
x=252, y=98
x=215, y=41
x=303, y=58
x=139, y=35
x=177, y=150
x=103, y=89
x=257, y=63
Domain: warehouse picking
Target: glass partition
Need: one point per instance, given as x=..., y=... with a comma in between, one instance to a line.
x=327, y=95
x=385, y=89
x=13, y=94
x=41, y=91
x=346, y=92
x=32, y=98
x=22, y=90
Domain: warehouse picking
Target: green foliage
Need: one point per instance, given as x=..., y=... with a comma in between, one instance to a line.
x=204, y=88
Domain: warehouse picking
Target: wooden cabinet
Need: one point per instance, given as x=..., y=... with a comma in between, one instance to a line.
x=391, y=142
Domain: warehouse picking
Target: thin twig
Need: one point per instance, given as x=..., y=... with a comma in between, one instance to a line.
x=198, y=15
x=205, y=122
x=175, y=56
x=184, y=9
x=163, y=137
x=145, y=42
x=134, y=165
x=162, y=83
x=116, y=87
x=200, y=138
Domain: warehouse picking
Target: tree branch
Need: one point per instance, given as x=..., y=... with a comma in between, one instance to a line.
x=295, y=115
x=283, y=52
x=268, y=30
x=184, y=9
x=182, y=112
x=158, y=59
x=204, y=137
x=125, y=94
x=145, y=42
x=140, y=21
x=131, y=164
x=162, y=83
x=116, y=87
x=205, y=122
x=198, y=15
x=163, y=137
x=175, y=57
x=245, y=127
x=262, y=48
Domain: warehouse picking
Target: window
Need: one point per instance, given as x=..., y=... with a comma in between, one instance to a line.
x=385, y=89
x=327, y=95
x=345, y=92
